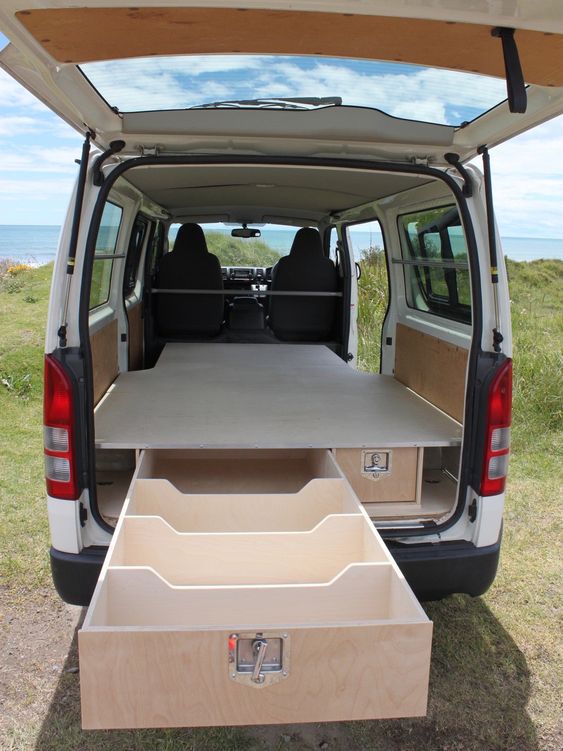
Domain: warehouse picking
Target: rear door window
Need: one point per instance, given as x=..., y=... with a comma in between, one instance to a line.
x=435, y=263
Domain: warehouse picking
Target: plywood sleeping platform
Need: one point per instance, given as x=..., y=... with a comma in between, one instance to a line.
x=264, y=396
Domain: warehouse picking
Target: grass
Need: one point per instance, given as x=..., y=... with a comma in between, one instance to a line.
x=236, y=251
x=496, y=666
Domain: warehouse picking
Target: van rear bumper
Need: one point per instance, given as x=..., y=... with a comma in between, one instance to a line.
x=436, y=570
x=433, y=570
x=75, y=574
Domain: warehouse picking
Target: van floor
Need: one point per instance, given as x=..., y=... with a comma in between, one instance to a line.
x=264, y=396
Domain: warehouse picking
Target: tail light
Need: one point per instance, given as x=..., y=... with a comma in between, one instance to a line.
x=58, y=419
x=497, y=442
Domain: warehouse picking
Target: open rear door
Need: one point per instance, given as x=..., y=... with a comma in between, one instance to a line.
x=55, y=44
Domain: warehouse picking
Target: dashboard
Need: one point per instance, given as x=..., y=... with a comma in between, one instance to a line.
x=246, y=275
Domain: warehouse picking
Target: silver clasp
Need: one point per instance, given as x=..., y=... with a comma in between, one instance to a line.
x=258, y=659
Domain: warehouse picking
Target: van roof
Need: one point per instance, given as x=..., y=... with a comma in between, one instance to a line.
x=423, y=80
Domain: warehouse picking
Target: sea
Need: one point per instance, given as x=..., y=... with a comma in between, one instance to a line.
x=37, y=244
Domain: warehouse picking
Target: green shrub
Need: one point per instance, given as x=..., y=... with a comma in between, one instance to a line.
x=236, y=251
x=372, y=304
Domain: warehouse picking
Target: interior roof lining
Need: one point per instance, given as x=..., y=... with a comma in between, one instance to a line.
x=325, y=186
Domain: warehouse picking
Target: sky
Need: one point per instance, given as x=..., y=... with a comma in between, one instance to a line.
x=37, y=167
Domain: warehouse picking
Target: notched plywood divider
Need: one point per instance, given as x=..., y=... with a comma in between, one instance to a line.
x=246, y=558
x=433, y=368
x=361, y=592
x=103, y=344
x=280, y=512
x=238, y=471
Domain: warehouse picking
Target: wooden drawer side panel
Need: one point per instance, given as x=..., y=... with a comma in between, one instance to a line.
x=180, y=678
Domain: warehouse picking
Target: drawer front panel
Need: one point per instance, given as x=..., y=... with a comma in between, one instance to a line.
x=179, y=678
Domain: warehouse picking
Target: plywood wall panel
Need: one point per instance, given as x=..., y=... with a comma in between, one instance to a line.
x=433, y=368
x=103, y=344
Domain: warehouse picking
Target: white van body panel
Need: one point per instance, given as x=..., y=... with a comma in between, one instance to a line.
x=64, y=524
x=488, y=524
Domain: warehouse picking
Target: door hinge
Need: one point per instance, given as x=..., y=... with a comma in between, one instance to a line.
x=149, y=150
x=82, y=515
x=420, y=161
x=472, y=510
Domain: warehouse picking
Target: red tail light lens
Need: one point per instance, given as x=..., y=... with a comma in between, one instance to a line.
x=499, y=418
x=58, y=418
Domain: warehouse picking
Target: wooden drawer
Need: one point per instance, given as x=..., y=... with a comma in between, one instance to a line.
x=398, y=482
x=183, y=606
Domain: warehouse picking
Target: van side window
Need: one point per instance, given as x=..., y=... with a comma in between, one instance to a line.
x=434, y=258
x=331, y=241
x=104, y=254
x=155, y=250
x=134, y=251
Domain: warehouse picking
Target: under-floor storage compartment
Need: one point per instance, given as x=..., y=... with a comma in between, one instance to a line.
x=226, y=606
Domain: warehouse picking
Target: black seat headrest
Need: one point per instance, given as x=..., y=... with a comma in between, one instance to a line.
x=190, y=239
x=307, y=241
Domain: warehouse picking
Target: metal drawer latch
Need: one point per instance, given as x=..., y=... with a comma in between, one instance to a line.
x=376, y=463
x=258, y=659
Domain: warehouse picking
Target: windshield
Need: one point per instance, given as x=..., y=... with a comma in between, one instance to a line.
x=274, y=242
x=183, y=81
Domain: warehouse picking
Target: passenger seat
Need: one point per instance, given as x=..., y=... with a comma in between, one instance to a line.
x=306, y=268
x=189, y=266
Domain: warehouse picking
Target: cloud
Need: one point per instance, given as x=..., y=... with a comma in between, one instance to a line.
x=34, y=190
x=38, y=160
x=13, y=125
x=183, y=81
x=527, y=177
x=12, y=94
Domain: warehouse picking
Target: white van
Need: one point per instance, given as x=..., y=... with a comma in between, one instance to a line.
x=249, y=515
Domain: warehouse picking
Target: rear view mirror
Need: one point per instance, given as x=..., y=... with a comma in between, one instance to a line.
x=245, y=232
